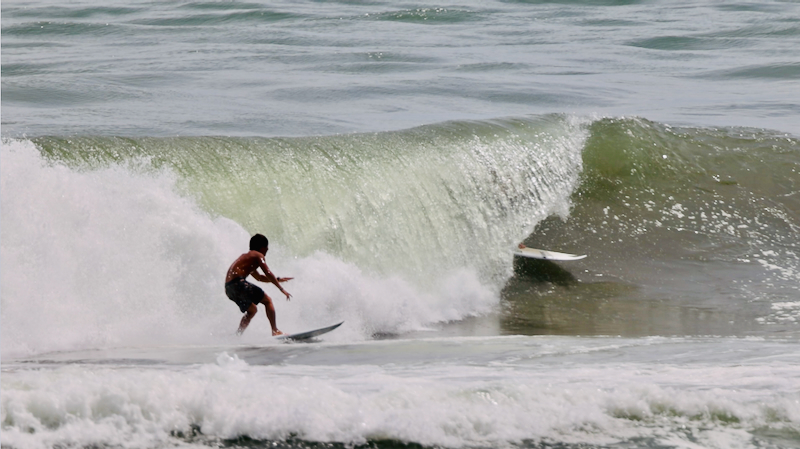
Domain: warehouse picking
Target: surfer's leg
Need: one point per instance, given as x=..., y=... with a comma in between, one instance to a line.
x=267, y=301
x=251, y=312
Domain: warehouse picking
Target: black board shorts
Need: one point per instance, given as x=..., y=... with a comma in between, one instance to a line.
x=243, y=293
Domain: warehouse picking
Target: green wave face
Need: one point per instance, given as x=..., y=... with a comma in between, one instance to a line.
x=414, y=203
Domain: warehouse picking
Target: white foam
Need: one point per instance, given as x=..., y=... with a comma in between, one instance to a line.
x=449, y=404
x=330, y=290
x=103, y=257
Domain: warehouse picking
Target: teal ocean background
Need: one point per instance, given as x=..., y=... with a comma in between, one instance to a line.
x=395, y=153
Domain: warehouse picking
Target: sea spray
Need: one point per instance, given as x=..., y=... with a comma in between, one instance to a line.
x=105, y=257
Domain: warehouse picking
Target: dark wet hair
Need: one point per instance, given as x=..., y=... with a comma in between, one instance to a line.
x=258, y=242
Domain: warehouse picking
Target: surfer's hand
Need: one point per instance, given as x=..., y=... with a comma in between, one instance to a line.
x=288, y=295
x=284, y=279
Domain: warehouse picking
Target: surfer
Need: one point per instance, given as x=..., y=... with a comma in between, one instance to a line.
x=246, y=295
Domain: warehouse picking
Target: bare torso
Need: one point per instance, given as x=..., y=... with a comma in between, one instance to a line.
x=245, y=265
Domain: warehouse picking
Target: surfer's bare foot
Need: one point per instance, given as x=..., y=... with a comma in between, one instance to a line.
x=276, y=332
x=521, y=246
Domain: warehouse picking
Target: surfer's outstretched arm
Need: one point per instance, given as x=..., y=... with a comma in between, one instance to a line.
x=269, y=277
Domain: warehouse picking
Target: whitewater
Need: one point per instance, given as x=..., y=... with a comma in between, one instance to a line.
x=494, y=392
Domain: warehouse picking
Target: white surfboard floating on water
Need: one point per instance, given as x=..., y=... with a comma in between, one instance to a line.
x=309, y=334
x=534, y=253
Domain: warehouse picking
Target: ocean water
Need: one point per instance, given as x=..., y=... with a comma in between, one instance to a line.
x=395, y=153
